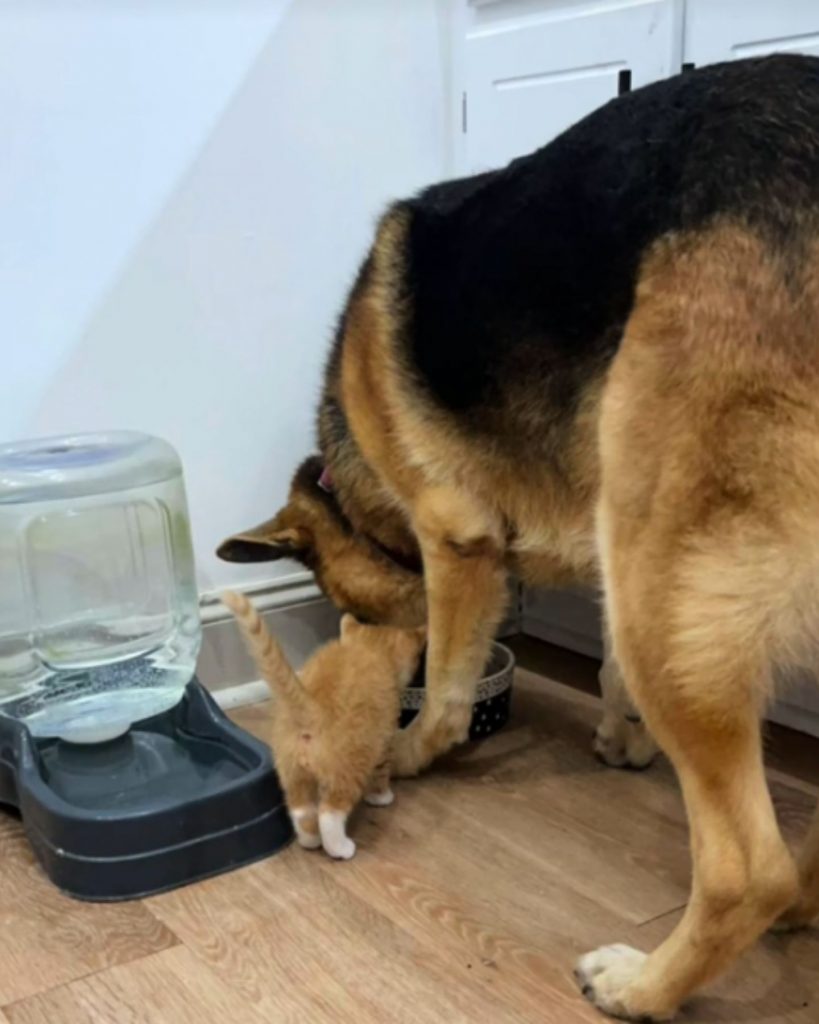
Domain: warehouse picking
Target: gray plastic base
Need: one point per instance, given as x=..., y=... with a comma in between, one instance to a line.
x=180, y=797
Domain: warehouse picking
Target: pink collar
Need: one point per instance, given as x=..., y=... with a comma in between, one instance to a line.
x=325, y=481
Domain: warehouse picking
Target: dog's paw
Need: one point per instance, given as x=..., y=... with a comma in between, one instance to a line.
x=340, y=849
x=623, y=742
x=381, y=799
x=428, y=737
x=606, y=978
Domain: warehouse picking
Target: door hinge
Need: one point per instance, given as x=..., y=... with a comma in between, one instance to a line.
x=463, y=112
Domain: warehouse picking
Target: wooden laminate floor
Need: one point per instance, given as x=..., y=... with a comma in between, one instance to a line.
x=469, y=899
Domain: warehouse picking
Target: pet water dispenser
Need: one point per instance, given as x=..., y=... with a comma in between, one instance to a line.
x=128, y=777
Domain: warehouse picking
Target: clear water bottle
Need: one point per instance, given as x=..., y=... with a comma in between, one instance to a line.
x=99, y=615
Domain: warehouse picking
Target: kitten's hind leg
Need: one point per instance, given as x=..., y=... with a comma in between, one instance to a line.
x=334, y=838
x=334, y=808
x=301, y=792
x=306, y=823
x=379, y=793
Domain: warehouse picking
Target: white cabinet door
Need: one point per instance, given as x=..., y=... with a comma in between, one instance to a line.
x=531, y=68
x=718, y=30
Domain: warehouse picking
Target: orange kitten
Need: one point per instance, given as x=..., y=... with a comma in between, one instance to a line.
x=334, y=723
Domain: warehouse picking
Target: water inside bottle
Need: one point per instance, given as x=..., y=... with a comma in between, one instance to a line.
x=99, y=703
x=99, y=623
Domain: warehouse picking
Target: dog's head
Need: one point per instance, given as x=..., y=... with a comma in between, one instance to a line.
x=339, y=520
x=365, y=560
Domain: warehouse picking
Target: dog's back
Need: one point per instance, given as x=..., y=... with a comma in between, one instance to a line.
x=522, y=279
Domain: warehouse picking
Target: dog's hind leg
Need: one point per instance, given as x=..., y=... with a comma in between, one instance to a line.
x=806, y=908
x=622, y=739
x=462, y=548
x=697, y=668
x=709, y=448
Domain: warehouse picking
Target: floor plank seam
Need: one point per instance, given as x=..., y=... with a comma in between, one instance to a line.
x=50, y=990
x=535, y=855
x=6, y=1007
x=659, y=917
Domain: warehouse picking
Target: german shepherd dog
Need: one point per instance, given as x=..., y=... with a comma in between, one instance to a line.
x=601, y=363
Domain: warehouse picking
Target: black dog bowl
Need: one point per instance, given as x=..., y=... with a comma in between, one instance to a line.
x=493, y=698
x=179, y=797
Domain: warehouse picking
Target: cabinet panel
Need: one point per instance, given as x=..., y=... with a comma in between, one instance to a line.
x=715, y=30
x=528, y=69
x=531, y=69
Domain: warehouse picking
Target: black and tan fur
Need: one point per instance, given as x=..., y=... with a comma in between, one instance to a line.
x=601, y=363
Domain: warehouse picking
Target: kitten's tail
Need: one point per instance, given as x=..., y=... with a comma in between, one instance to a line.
x=268, y=655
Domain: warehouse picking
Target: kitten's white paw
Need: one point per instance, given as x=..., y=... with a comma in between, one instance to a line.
x=308, y=840
x=382, y=799
x=341, y=849
x=334, y=838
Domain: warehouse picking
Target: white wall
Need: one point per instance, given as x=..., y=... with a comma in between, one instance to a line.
x=190, y=188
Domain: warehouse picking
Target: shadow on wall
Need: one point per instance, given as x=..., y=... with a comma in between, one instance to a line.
x=214, y=333
x=107, y=106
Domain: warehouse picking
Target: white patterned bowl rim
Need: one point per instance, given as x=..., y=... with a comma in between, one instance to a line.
x=490, y=686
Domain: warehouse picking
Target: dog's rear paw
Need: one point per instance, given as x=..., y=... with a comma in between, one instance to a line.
x=381, y=799
x=624, y=743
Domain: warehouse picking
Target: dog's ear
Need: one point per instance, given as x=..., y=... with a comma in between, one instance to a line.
x=290, y=533
x=266, y=543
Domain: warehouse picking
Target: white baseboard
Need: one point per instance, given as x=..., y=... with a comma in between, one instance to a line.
x=241, y=695
x=799, y=718
x=798, y=704
x=294, y=610
x=567, y=618
x=562, y=636
x=280, y=592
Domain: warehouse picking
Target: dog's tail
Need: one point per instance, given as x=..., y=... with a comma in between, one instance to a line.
x=274, y=667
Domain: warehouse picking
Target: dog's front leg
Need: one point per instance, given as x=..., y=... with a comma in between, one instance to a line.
x=462, y=548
